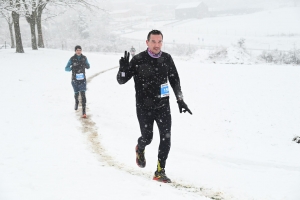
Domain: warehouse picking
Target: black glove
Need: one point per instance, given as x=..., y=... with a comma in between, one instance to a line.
x=182, y=105
x=124, y=62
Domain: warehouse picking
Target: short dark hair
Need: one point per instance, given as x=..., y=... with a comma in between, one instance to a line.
x=78, y=47
x=154, y=32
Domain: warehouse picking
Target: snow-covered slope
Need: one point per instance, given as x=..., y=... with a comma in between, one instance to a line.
x=238, y=142
x=270, y=29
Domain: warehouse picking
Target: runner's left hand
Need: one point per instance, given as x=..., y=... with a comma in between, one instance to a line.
x=183, y=106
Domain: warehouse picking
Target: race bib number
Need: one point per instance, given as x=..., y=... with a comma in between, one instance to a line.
x=164, y=90
x=79, y=76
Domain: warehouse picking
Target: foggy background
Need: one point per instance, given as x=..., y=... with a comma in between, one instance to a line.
x=103, y=26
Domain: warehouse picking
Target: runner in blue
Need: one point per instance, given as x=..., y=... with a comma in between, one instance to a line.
x=77, y=64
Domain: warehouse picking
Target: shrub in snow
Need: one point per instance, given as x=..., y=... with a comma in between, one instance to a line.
x=279, y=57
x=218, y=54
x=265, y=56
x=297, y=139
x=274, y=56
x=236, y=54
x=292, y=57
x=241, y=43
x=297, y=57
x=288, y=58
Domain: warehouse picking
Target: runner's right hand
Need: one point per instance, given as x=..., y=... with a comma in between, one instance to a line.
x=124, y=62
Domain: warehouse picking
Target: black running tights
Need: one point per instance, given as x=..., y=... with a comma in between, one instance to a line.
x=162, y=116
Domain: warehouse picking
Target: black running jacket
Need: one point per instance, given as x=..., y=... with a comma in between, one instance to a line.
x=151, y=76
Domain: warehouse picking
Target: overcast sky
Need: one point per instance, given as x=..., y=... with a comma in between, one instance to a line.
x=222, y=3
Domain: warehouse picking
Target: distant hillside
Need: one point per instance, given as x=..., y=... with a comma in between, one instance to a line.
x=271, y=29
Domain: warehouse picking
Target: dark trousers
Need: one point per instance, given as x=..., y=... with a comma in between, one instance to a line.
x=162, y=116
x=79, y=85
x=83, y=98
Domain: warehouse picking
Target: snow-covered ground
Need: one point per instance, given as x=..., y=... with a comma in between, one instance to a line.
x=270, y=29
x=236, y=145
x=44, y=153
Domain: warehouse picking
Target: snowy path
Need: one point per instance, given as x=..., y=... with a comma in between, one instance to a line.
x=90, y=130
x=44, y=154
x=236, y=145
x=237, y=142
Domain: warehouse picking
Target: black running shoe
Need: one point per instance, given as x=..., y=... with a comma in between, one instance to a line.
x=140, y=157
x=76, y=105
x=161, y=176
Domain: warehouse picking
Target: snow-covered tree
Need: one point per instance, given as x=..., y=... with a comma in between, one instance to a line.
x=83, y=26
x=7, y=15
x=31, y=14
x=15, y=7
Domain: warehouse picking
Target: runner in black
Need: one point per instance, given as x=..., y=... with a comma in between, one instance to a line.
x=152, y=69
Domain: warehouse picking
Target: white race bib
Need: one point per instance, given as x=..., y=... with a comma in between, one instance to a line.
x=79, y=76
x=164, y=90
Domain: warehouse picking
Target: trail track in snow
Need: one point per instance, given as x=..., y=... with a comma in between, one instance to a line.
x=90, y=131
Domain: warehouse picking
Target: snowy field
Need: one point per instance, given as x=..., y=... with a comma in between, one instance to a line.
x=269, y=29
x=236, y=145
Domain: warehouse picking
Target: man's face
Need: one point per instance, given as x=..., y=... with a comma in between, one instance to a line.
x=155, y=43
x=78, y=52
